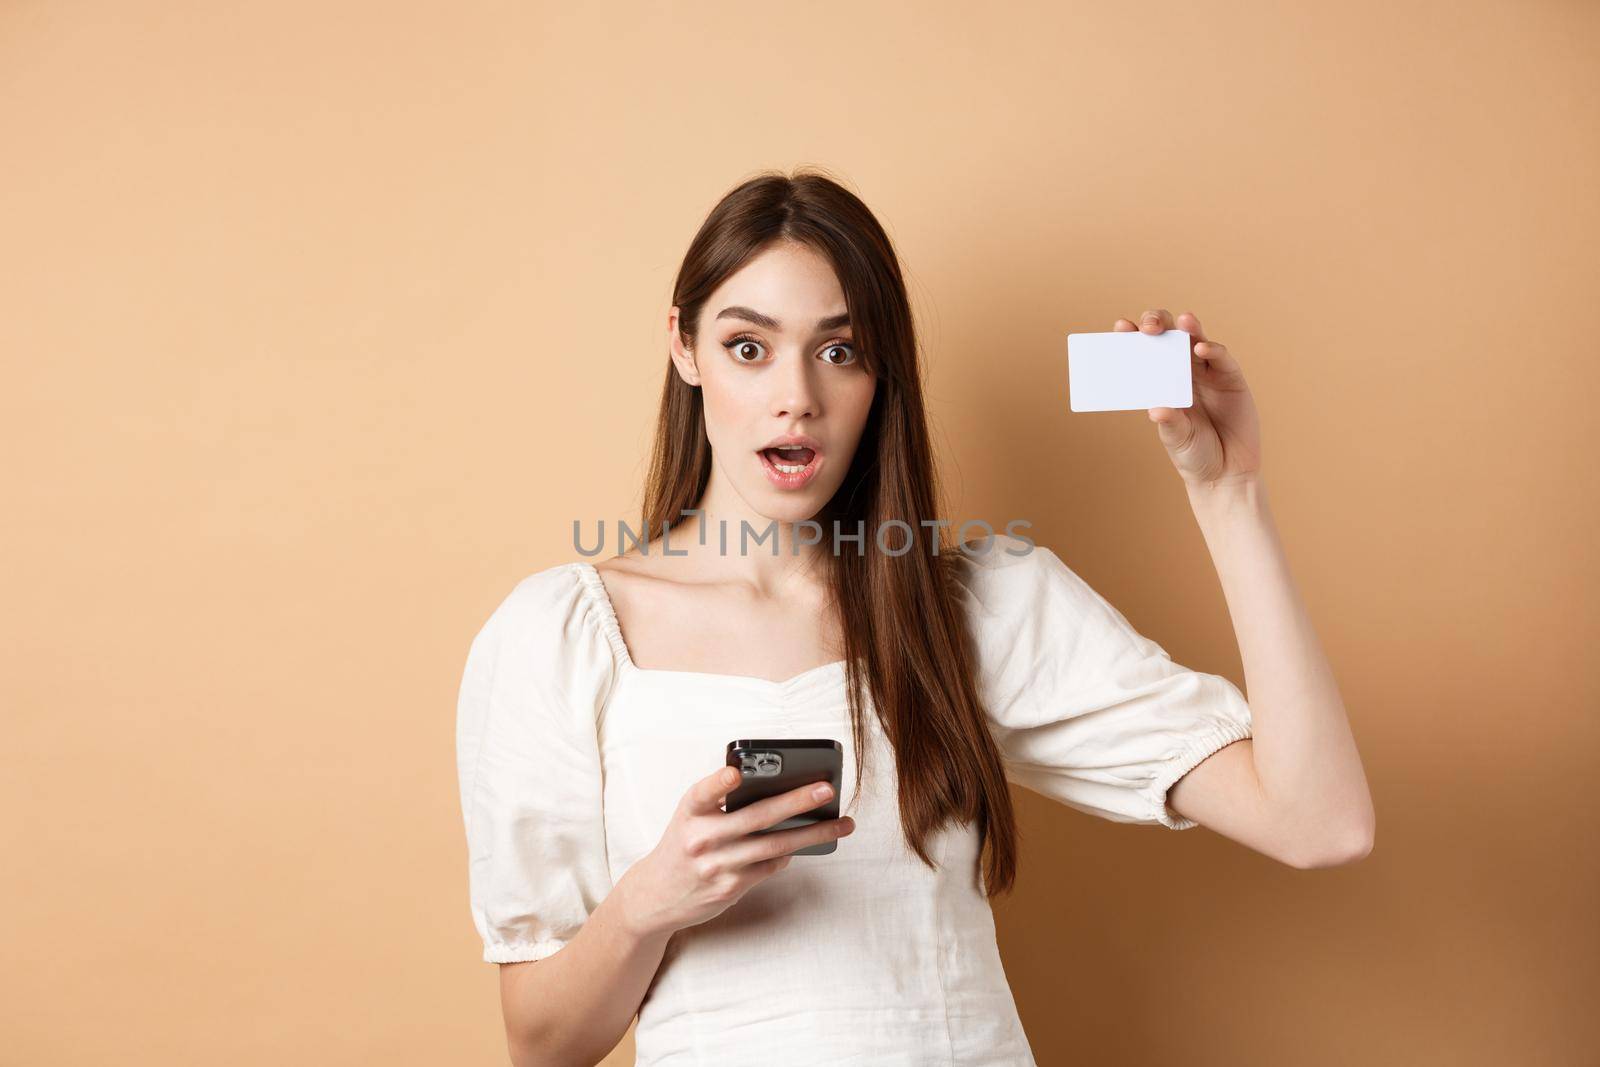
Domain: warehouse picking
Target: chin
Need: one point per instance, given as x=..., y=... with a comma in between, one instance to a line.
x=788, y=507
x=791, y=510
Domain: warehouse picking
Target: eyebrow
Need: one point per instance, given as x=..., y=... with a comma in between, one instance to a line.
x=767, y=322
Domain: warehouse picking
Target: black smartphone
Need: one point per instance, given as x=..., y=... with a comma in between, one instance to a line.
x=770, y=766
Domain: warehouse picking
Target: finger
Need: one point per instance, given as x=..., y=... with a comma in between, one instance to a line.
x=1189, y=324
x=1156, y=320
x=767, y=868
x=1124, y=326
x=760, y=847
x=773, y=810
x=1216, y=356
x=705, y=796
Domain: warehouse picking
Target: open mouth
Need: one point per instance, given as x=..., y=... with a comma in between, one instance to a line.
x=790, y=467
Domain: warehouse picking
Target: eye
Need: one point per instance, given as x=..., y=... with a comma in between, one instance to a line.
x=734, y=344
x=844, y=346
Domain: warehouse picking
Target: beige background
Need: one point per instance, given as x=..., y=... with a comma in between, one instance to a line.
x=323, y=321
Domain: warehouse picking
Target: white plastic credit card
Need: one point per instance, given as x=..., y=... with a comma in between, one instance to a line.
x=1129, y=370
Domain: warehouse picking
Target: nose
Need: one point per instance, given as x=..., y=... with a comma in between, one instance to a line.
x=794, y=388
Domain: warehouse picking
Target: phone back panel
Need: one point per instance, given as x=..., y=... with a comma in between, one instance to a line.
x=770, y=766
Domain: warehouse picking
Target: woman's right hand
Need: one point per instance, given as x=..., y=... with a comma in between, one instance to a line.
x=706, y=859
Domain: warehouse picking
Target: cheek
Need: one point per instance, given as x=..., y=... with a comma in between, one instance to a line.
x=853, y=400
x=728, y=408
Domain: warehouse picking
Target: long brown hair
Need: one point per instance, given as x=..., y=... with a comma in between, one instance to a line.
x=904, y=635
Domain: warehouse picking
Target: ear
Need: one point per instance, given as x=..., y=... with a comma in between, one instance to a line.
x=682, y=358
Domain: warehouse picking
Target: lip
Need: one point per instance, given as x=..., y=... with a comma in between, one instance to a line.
x=791, y=481
x=794, y=439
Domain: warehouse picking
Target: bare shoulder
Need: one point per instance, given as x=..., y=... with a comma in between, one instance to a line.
x=631, y=564
x=634, y=575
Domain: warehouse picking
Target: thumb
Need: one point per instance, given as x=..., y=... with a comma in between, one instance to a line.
x=1173, y=425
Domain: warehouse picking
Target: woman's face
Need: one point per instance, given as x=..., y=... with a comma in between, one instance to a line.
x=776, y=365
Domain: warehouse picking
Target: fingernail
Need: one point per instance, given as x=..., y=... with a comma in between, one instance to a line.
x=822, y=792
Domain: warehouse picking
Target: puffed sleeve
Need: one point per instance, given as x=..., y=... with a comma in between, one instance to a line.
x=1085, y=709
x=528, y=759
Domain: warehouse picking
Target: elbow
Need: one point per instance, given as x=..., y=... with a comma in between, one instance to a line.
x=1350, y=845
x=526, y=1047
x=529, y=1040
x=534, y=1049
x=544, y=1038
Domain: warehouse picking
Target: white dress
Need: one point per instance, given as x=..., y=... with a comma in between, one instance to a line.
x=572, y=760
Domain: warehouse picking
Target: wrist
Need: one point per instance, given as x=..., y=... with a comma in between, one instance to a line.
x=1240, y=494
x=633, y=914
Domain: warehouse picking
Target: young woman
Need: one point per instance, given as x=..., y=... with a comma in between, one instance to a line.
x=599, y=698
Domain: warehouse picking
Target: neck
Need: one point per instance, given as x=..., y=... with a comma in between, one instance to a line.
x=730, y=541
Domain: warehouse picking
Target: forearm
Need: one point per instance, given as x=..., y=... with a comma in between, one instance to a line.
x=573, y=1008
x=1305, y=756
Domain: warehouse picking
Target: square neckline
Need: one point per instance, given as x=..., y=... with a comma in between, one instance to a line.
x=595, y=587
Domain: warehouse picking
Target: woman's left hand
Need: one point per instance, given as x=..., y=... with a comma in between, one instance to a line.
x=1218, y=440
